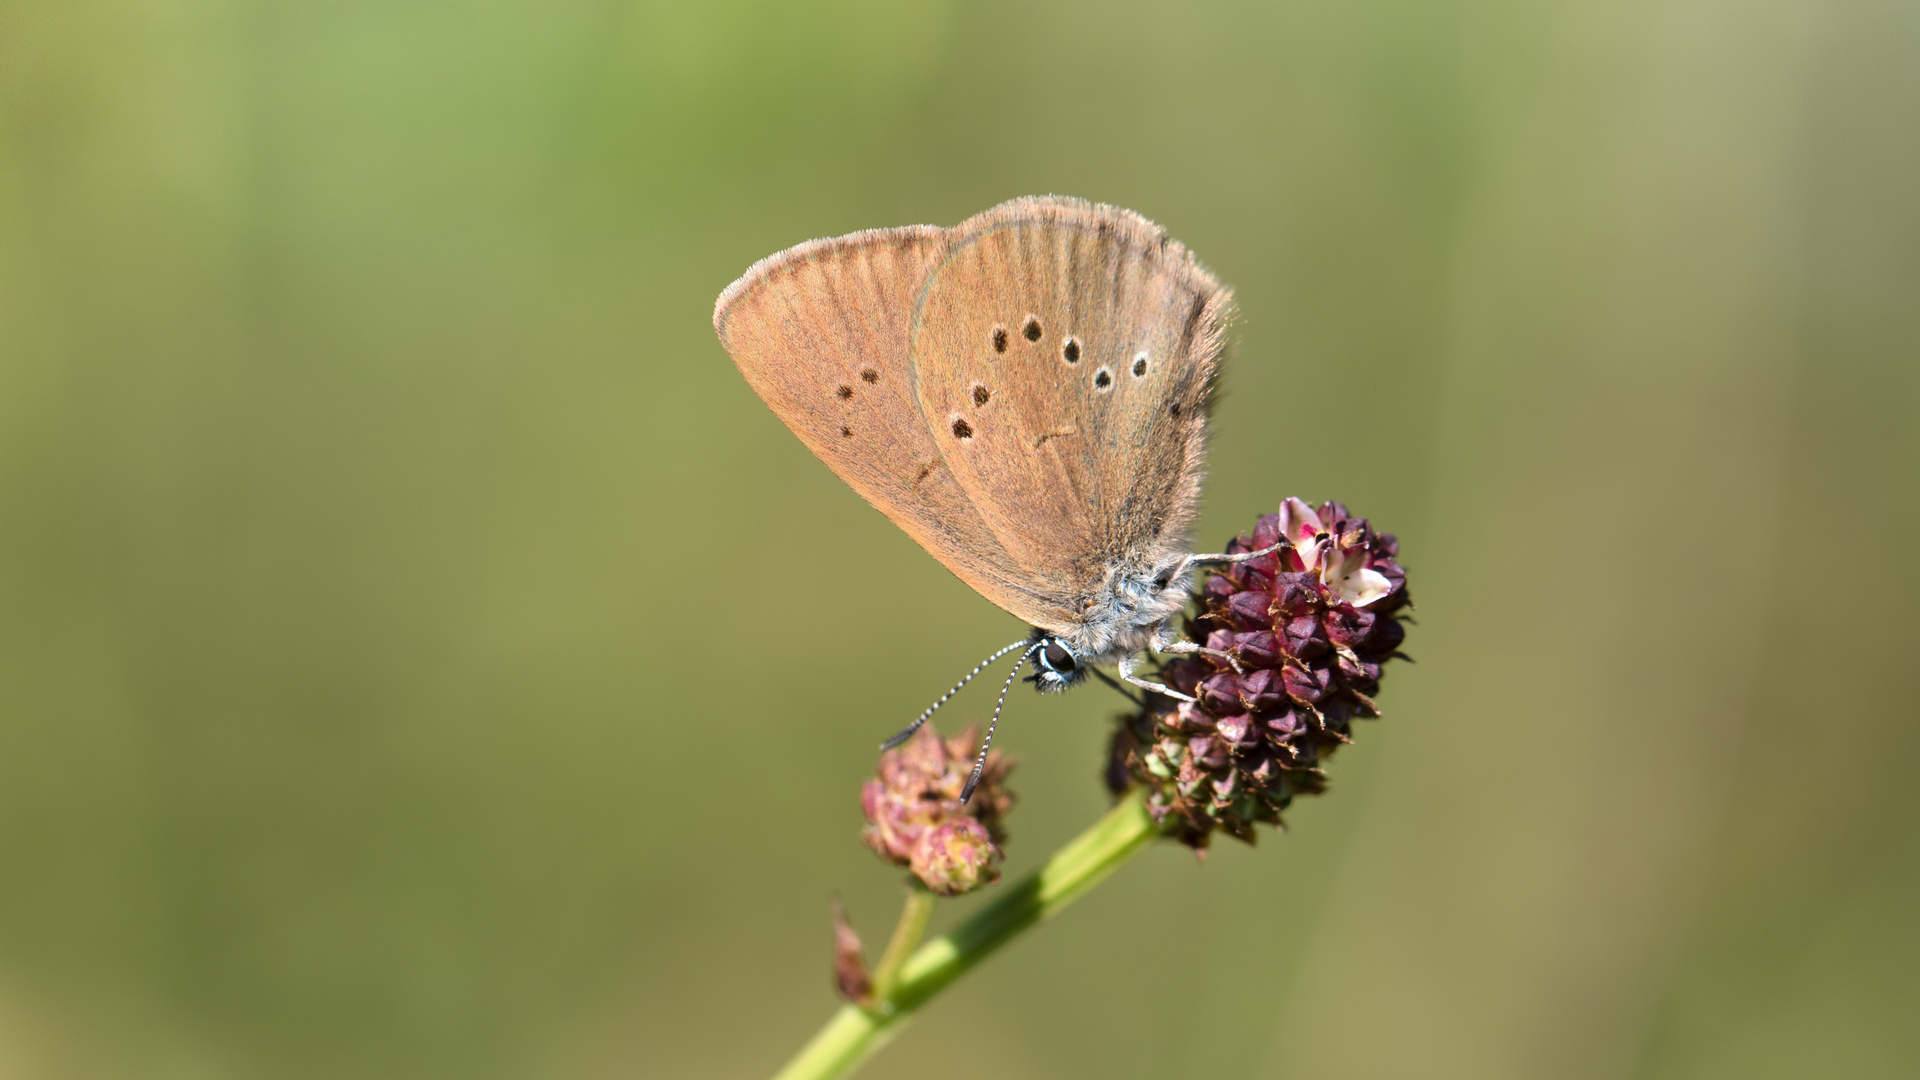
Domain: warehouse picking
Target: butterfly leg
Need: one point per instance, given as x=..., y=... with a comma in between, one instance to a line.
x=1126, y=675
x=1138, y=702
x=1245, y=556
x=1188, y=648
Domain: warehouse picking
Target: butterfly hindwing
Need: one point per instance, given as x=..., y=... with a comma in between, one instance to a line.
x=821, y=332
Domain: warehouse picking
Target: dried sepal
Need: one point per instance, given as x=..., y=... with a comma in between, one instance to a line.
x=851, y=979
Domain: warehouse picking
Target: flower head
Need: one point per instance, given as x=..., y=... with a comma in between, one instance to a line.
x=915, y=818
x=1295, y=642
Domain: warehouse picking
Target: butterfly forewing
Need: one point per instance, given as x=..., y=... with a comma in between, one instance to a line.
x=1064, y=353
x=821, y=332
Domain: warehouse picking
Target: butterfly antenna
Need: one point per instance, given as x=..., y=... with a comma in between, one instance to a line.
x=907, y=732
x=980, y=763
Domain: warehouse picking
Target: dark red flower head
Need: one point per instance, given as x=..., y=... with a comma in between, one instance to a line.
x=1296, y=640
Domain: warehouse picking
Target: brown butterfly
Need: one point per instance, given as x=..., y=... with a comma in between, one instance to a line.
x=1025, y=394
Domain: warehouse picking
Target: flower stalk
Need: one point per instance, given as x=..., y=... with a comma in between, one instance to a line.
x=906, y=936
x=854, y=1033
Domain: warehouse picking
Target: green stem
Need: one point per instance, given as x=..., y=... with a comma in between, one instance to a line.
x=906, y=934
x=854, y=1033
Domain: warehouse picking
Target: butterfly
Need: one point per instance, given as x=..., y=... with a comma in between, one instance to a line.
x=1026, y=394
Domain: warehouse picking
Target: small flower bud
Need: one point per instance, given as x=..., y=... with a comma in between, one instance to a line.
x=956, y=856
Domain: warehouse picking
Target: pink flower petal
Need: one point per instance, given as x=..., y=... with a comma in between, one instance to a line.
x=1313, y=552
x=1298, y=522
x=1350, y=579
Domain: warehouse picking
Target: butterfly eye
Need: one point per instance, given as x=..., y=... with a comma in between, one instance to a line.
x=1163, y=579
x=1058, y=657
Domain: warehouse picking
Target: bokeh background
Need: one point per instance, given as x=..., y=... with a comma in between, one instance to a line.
x=421, y=655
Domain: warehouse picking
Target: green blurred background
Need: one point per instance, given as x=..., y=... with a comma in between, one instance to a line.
x=421, y=655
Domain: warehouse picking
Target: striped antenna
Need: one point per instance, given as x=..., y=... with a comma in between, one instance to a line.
x=907, y=732
x=980, y=763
